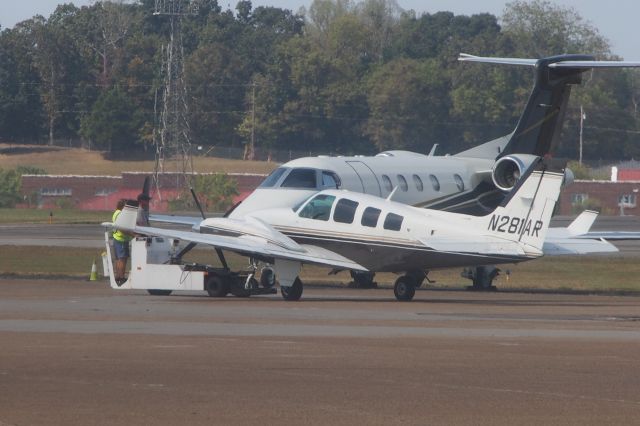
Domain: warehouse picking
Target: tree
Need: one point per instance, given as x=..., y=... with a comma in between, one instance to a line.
x=540, y=28
x=215, y=193
x=113, y=123
x=409, y=105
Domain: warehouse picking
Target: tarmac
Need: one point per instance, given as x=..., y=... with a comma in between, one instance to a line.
x=80, y=353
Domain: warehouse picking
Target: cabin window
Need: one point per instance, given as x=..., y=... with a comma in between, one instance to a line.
x=403, y=183
x=393, y=222
x=330, y=180
x=370, y=217
x=300, y=178
x=318, y=208
x=275, y=175
x=418, y=182
x=434, y=182
x=387, y=183
x=459, y=182
x=345, y=211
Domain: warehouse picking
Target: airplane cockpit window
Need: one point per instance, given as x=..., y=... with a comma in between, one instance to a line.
x=393, y=222
x=434, y=182
x=345, y=211
x=275, y=175
x=300, y=178
x=330, y=180
x=387, y=183
x=418, y=182
x=459, y=182
x=370, y=217
x=403, y=183
x=318, y=208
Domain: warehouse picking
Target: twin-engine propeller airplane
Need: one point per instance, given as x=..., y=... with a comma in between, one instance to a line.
x=473, y=181
x=346, y=230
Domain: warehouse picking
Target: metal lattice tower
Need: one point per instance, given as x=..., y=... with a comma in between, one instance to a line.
x=171, y=136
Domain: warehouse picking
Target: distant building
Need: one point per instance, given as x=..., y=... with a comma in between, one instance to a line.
x=103, y=192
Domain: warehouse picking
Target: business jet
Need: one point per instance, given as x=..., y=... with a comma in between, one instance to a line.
x=473, y=181
x=355, y=231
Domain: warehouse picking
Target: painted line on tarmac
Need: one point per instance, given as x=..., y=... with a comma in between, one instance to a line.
x=299, y=330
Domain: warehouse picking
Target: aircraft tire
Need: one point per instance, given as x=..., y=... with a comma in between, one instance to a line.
x=217, y=286
x=404, y=288
x=267, y=277
x=292, y=293
x=239, y=290
x=156, y=292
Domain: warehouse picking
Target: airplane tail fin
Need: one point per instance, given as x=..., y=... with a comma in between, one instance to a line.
x=524, y=215
x=582, y=224
x=538, y=129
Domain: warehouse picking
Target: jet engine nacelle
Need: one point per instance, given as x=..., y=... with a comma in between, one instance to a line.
x=507, y=170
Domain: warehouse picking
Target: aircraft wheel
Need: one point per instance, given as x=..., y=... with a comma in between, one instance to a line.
x=156, y=292
x=240, y=291
x=292, y=293
x=267, y=277
x=216, y=286
x=404, y=288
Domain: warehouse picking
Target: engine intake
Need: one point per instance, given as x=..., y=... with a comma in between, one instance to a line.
x=508, y=170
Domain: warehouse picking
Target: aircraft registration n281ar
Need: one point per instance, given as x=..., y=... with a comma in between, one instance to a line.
x=347, y=230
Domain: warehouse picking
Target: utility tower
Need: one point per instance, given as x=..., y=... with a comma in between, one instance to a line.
x=171, y=135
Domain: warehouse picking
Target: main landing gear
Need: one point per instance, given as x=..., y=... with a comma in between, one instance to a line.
x=292, y=293
x=482, y=277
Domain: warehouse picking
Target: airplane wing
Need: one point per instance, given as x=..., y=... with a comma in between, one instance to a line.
x=245, y=244
x=484, y=246
x=176, y=220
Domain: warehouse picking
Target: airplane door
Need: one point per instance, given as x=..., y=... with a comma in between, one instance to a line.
x=370, y=184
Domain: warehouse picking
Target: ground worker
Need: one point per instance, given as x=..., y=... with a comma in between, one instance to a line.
x=120, y=247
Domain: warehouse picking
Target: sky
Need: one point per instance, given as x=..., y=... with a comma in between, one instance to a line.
x=616, y=20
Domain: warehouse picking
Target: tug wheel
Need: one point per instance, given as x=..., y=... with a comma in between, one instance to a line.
x=216, y=286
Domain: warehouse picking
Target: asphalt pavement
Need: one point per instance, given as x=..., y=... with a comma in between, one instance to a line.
x=80, y=353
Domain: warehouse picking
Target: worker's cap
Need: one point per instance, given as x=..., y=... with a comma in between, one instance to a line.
x=143, y=197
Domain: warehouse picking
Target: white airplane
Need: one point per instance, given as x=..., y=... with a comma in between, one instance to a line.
x=473, y=181
x=355, y=231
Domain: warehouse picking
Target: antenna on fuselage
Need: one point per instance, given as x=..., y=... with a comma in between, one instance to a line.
x=433, y=150
x=393, y=192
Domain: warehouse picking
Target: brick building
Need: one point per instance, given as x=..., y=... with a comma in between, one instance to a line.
x=103, y=192
x=610, y=198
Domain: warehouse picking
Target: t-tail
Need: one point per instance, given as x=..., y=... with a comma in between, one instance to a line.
x=538, y=130
x=524, y=215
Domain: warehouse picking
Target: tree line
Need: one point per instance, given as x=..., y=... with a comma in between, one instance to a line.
x=341, y=77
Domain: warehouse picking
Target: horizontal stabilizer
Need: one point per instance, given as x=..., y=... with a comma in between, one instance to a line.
x=573, y=246
x=465, y=57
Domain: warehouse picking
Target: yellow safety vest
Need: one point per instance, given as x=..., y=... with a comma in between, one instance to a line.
x=119, y=235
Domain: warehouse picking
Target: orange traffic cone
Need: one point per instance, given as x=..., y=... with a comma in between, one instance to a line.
x=94, y=272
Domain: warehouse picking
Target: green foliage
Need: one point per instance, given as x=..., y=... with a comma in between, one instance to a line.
x=9, y=188
x=348, y=76
x=11, y=182
x=113, y=124
x=215, y=193
x=584, y=172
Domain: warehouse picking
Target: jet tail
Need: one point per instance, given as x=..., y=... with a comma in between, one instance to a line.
x=524, y=215
x=538, y=129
